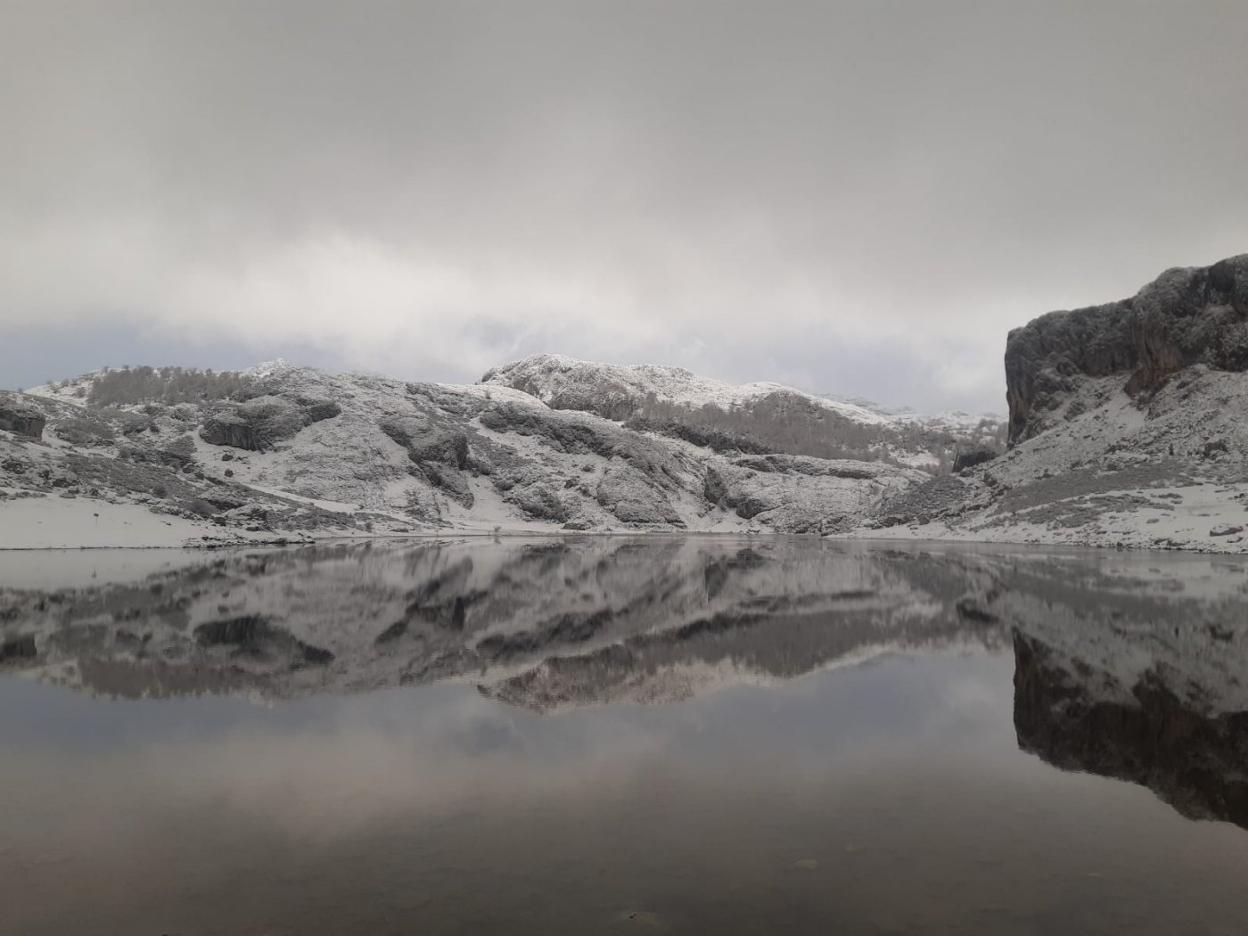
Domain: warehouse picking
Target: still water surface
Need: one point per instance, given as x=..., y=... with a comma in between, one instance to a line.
x=602, y=735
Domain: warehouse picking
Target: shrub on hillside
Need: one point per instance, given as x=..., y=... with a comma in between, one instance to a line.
x=129, y=385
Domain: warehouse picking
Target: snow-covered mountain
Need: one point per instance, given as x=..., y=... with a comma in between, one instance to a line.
x=767, y=417
x=1125, y=422
x=162, y=456
x=567, y=383
x=1127, y=427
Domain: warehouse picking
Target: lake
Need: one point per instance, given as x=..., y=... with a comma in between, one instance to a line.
x=614, y=735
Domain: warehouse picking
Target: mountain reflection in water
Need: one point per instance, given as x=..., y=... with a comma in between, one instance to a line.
x=1126, y=666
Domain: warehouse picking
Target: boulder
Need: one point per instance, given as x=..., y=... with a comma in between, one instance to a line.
x=1226, y=529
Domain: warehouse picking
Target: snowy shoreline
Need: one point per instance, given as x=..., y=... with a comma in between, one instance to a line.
x=54, y=524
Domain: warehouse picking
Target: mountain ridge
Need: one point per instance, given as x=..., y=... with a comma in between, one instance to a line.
x=289, y=451
x=1124, y=430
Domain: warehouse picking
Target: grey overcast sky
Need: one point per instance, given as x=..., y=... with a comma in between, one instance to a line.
x=860, y=198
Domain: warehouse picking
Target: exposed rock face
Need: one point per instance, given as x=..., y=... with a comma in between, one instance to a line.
x=969, y=458
x=574, y=434
x=539, y=501
x=18, y=648
x=627, y=494
x=426, y=442
x=1196, y=315
x=261, y=422
x=439, y=454
x=923, y=502
x=804, y=495
x=229, y=429
x=21, y=418
x=1126, y=428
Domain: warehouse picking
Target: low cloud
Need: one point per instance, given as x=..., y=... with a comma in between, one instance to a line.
x=860, y=198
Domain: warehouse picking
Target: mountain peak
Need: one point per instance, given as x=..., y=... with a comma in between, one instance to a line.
x=570, y=383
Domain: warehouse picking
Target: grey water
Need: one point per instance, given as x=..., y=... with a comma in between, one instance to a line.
x=613, y=735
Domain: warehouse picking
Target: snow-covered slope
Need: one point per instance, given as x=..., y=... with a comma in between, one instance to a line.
x=285, y=451
x=568, y=383
x=1126, y=423
x=771, y=416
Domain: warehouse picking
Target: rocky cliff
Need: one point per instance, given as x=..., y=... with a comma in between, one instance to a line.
x=1192, y=315
x=1126, y=428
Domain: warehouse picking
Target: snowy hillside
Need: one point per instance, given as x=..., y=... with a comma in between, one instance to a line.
x=1126, y=423
x=161, y=456
x=766, y=417
x=567, y=383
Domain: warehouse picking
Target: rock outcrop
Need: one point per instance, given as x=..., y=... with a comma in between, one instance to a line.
x=21, y=418
x=1126, y=428
x=439, y=453
x=261, y=422
x=970, y=457
x=228, y=428
x=1193, y=315
x=804, y=495
x=628, y=494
